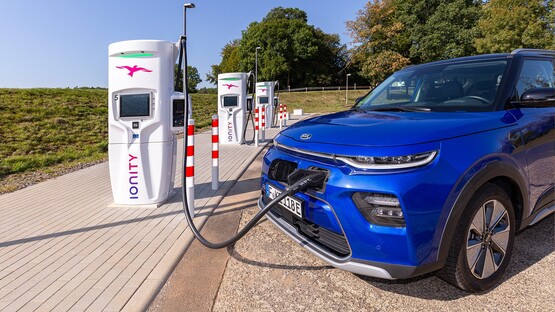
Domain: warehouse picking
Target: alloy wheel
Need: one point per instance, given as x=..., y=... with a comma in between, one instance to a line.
x=488, y=239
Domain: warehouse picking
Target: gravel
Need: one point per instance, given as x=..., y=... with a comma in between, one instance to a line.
x=269, y=272
x=14, y=182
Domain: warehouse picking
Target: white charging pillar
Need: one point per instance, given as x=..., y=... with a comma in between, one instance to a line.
x=232, y=100
x=144, y=115
x=265, y=97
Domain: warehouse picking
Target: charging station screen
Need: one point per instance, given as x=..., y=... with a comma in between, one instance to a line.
x=230, y=101
x=263, y=100
x=134, y=105
x=178, y=108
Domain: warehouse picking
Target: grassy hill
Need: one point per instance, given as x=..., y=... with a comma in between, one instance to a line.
x=44, y=127
x=45, y=132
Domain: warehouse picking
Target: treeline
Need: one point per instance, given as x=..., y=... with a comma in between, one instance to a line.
x=387, y=35
x=291, y=51
x=392, y=34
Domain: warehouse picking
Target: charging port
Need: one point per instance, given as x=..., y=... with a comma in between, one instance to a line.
x=315, y=182
x=281, y=169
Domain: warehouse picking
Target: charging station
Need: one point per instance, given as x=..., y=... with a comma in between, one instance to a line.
x=232, y=107
x=265, y=96
x=145, y=115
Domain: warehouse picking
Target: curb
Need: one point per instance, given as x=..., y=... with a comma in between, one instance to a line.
x=149, y=289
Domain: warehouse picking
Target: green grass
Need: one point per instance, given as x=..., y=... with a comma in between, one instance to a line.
x=204, y=106
x=320, y=101
x=43, y=129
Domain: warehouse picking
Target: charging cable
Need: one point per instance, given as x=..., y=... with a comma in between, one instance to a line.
x=304, y=179
x=250, y=115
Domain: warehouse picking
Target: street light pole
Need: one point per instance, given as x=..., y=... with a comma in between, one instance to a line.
x=256, y=65
x=185, y=76
x=187, y=185
x=347, y=89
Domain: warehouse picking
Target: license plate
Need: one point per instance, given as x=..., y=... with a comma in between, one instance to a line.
x=289, y=203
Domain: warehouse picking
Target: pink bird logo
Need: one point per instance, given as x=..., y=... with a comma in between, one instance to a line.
x=262, y=90
x=229, y=85
x=134, y=69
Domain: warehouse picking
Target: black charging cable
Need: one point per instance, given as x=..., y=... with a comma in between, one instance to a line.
x=312, y=180
x=250, y=116
x=306, y=179
x=275, y=105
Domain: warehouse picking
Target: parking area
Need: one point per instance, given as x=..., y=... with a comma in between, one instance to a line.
x=266, y=271
x=269, y=272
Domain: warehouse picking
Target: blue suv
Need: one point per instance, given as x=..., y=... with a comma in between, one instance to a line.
x=435, y=169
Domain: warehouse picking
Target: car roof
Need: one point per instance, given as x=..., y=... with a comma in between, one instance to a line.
x=517, y=52
x=533, y=52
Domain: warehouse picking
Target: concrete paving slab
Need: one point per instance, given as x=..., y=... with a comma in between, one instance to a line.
x=62, y=247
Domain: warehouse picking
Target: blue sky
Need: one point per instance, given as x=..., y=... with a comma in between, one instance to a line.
x=64, y=43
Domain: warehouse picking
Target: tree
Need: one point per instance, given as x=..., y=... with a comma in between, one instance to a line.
x=193, y=79
x=229, y=63
x=381, y=46
x=440, y=29
x=511, y=24
x=286, y=13
x=293, y=52
x=391, y=34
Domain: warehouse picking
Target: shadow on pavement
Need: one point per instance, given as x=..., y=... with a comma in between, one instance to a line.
x=204, y=190
x=237, y=256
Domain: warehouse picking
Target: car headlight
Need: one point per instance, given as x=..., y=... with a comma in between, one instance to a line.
x=389, y=162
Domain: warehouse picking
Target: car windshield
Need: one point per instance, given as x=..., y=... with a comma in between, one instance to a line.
x=463, y=86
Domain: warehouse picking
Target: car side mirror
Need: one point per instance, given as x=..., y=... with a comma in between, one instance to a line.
x=538, y=97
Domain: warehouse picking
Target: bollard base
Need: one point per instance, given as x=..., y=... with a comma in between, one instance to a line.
x=143, y=206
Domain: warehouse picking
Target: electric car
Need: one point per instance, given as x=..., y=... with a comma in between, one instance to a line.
x=435, y=169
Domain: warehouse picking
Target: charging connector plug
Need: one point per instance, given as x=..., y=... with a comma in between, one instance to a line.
x=299, y=181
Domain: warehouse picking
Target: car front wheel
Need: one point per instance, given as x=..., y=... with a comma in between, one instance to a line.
x=483, y=241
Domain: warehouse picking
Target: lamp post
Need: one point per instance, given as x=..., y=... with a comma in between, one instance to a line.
x=185, y=76
x=187, y=182
x=347, y=89
x=256, y=64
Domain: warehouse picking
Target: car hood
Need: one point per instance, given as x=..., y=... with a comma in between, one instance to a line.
x=375, y=129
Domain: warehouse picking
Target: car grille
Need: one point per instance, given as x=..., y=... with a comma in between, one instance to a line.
x=328, y=240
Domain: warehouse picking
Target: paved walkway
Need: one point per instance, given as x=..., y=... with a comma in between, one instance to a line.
x=63, y=248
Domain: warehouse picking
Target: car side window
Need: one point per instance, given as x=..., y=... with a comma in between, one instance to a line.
x=535, y=74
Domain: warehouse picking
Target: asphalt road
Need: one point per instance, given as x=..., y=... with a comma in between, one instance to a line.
x=266, y=271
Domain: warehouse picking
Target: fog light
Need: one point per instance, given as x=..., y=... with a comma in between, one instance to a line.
x=388, y=212
x=381, y=209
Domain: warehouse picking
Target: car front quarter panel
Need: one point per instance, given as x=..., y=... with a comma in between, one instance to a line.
x=499, y=159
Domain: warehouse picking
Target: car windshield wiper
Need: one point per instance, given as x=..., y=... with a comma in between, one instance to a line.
x=357, y=109
x=400, y=109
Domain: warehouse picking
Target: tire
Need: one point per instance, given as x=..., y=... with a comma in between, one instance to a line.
x=481, y=251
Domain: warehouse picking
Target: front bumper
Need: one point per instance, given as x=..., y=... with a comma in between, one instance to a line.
x=357, y=266
x=347, y=264
x=369, y=249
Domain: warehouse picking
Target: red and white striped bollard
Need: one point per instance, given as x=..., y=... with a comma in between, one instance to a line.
x=215, y=154
x=263, y=126
x=280, y=116
x=190, y=167
x=285, y=116
x=256, y=126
